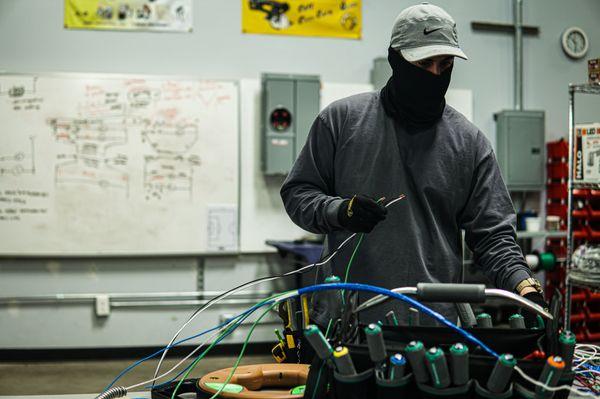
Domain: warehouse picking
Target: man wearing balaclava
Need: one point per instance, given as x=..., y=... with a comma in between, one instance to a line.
x=406, y=139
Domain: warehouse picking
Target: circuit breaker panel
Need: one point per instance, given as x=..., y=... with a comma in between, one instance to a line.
x=290, y=104
x=519, y=148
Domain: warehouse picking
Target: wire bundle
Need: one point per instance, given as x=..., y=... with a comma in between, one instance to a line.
x=586, y=260
x=586, y=365
x=586, y=356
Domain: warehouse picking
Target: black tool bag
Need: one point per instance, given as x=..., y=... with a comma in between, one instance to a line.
x=325, y=383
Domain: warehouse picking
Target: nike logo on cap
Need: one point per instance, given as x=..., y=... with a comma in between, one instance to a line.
x=426, y=32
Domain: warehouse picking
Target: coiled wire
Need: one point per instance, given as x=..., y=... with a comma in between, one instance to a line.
x=586, y=260
x=113, y=393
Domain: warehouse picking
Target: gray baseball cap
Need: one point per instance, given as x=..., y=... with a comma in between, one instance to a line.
x=424, y=31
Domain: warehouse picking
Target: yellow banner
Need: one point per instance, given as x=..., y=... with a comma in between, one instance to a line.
x=166, y=15
x=327, y=18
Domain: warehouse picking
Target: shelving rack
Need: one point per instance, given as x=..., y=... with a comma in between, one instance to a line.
x=572, y=185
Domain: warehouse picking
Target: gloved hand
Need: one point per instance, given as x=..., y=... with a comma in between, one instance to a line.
x=360, y=214
x=530, y=317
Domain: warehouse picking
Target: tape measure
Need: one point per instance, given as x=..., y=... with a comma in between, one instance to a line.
x=279, y=381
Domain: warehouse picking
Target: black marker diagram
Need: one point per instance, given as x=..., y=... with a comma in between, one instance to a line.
x=19, y=163
x=172, y=176
x=170, y=171
x=92, y=161
x=18, y=87
x=139, y=97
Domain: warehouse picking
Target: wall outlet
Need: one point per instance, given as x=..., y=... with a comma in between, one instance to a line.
x=102, y=305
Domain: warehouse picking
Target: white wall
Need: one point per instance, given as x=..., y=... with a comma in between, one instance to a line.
x=32, y=39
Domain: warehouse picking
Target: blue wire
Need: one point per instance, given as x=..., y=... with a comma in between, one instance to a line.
x=590, y=367
x=238, y=323
x=129, y=368
x=323, y=287
x=415, y=304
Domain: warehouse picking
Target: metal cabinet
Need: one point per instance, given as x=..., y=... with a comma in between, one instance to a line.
x=290, y=104
x=519, y=148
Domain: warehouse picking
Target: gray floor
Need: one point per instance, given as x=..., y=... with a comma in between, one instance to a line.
x=53, y=378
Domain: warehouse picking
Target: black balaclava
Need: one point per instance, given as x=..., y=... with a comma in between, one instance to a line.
x=413, y=96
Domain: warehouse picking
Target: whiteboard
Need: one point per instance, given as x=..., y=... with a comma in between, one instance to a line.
x=113, y=164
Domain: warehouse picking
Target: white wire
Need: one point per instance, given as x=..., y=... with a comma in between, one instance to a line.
x=215, y=334
x=585, y=353
x=553, y=389
x=181, y=362
x=164, y=354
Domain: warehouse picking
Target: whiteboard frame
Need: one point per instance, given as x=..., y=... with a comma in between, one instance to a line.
x=107, y=255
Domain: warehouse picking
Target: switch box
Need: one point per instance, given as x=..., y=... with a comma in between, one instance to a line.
x=520, y=149
x=102, y=305
x=290, y=104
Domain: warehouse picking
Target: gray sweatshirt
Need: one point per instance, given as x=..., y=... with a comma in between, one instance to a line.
x=451, y=180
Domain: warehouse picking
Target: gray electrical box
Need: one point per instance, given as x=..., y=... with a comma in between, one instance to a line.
x=520, y=149
x=290, y=104
x=381, y=72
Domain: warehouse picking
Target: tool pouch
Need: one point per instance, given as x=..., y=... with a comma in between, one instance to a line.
x=483, y=393
x=522, y=392
x=358, y=386
x=460, y=392
x=387, y=389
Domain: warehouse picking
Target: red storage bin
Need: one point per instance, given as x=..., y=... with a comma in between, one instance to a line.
x=582, y=213
x=556, y=190
x=557, y=171
x=557, y=247
x=592, y=332
x=578, y=296
x=593, y=296
x=577, y=317
x=556, y=209
x=581, y=193
x=591, y=316
x=581, y=234
x=558, y=149
x=594, y=214
x=594, y=231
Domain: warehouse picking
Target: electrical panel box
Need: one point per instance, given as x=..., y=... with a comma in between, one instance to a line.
x=519, y=149
x=381, y=72
x=290, y=104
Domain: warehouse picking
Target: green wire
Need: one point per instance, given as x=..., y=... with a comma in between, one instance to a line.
x=200, y=357
x=360, y=238
x=232, y=326
x=237, y=362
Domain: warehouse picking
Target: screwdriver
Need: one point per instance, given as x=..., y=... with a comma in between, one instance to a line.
x=375, y=343
x=397, y=365
x=551, y=373
x=415, y=353
x=438, y=367
x=566, y=342
x=501, y=373
x=484, y=320
x=516, y=321
x=318, y=342
x=459, y=359
x=343, y=361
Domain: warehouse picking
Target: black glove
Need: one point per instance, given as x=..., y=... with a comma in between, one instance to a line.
x=530, y=317
x=360, y=214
